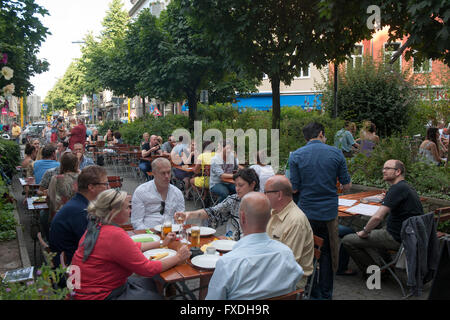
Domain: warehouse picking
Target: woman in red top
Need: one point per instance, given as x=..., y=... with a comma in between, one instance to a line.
x=107, y=256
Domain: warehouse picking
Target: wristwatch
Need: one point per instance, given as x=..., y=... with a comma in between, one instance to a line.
x=365, y=230
x=161, y=244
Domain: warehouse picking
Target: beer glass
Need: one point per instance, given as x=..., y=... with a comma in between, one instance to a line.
x=166, y=227
x=195, y=236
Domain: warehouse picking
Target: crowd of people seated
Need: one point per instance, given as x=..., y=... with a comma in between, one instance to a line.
x=255, y=204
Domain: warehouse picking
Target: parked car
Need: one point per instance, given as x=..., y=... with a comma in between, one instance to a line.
x=32, y=132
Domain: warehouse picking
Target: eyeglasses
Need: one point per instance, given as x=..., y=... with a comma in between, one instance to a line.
x=103, y=183
x=389, y=168
x=163, y=206
x=270, y=191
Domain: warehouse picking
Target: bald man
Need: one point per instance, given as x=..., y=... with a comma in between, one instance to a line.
x=289, y=225
x=257, y=267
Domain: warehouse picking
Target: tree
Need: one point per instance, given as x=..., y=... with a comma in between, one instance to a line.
x=372, y=92
x=279, y=38
x=21, y=35
x=179, y=60
x=67, y=91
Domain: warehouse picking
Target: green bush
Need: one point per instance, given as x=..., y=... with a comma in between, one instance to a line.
x=7, y=221
x=372, y=92
x=428, y=180
x=42, y=287
x=9, y=156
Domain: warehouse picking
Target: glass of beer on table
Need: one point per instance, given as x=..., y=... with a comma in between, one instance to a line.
x=195, y=236
x=166, y=227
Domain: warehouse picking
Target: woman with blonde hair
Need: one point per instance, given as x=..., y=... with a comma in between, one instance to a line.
x=107, y=256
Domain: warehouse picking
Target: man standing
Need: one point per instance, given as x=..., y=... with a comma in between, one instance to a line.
x=314, y=171
x=70, y=222
x=289, y=225
x=15, y=132
x=156, y=198
x=258, y=267
x=77, y=134
x=82, y=160
x=48, y=162
x=343, y=140
x=402, y=202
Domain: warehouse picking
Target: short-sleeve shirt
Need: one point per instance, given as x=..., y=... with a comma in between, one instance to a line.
x=343, y=140
x=404, y=203
x=314, y=171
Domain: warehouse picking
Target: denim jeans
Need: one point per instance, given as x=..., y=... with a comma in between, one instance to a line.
x=223, y=190
x=145, y=167
x=344, y=257
x=323, y=284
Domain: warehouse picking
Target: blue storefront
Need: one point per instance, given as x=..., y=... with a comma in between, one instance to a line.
x=263, y=101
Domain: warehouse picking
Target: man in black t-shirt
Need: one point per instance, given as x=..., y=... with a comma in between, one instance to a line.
x=401, y=202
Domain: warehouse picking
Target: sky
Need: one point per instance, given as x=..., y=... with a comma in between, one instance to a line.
x=68, y=21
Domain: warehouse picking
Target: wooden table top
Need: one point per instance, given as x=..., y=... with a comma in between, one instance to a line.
x=184, y=271
x=185, y=167
x=36, y=206
x=30, y=183
x=356, y=196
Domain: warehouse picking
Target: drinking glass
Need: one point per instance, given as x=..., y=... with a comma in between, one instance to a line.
x=195, y=236
x=167, y=226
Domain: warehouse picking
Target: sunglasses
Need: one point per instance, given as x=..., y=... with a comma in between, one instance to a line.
x=163, y=206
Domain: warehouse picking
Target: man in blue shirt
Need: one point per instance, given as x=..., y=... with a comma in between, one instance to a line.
x=48, y=162
x=70, y=222
x=314, y=171
x=257, y=267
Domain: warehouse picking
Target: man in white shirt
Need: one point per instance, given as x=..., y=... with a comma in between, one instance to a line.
x=155, y=199
x=257, y=267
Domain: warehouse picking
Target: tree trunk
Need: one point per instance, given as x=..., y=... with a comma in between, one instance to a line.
x=275, y=82
x=143, y=105
x=192, y=104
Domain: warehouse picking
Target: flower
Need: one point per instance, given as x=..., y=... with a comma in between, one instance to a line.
x=7, y=72
x=29, y=283
x=8, y=290
x=39, y=272
x=4, y=58
x=8, y=89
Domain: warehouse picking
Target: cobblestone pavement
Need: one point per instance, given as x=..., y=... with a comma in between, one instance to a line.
x=345, y=287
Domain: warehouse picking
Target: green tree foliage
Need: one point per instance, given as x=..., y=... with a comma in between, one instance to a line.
x=67, y=91
x=21, y=35
x=279, y=38
x=372, y=92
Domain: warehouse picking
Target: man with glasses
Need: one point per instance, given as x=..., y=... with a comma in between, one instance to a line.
x=156, y=198
x=314, y=171
x=70, y=222
x=289, y=225
x=402, y=202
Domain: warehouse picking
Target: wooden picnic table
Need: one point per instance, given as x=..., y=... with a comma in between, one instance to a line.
x=36, y=206
x=358, y=196
x=151, y=158
x=185, y=271
x=227, y=180
x=185, y=167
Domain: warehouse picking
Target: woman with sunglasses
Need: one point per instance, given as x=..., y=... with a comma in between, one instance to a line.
x=107, y=256
x=246, y=180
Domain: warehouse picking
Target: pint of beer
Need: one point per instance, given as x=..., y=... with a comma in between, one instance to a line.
x=195, y=236
x=166, y=228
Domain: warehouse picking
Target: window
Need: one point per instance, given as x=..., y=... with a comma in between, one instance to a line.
x=424, y=67
x=389, y=50
x=304, y=73
x=356, y=57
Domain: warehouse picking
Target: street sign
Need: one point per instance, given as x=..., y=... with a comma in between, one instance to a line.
x=44, y=107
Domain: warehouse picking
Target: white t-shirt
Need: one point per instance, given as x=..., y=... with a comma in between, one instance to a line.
x=264, y=173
